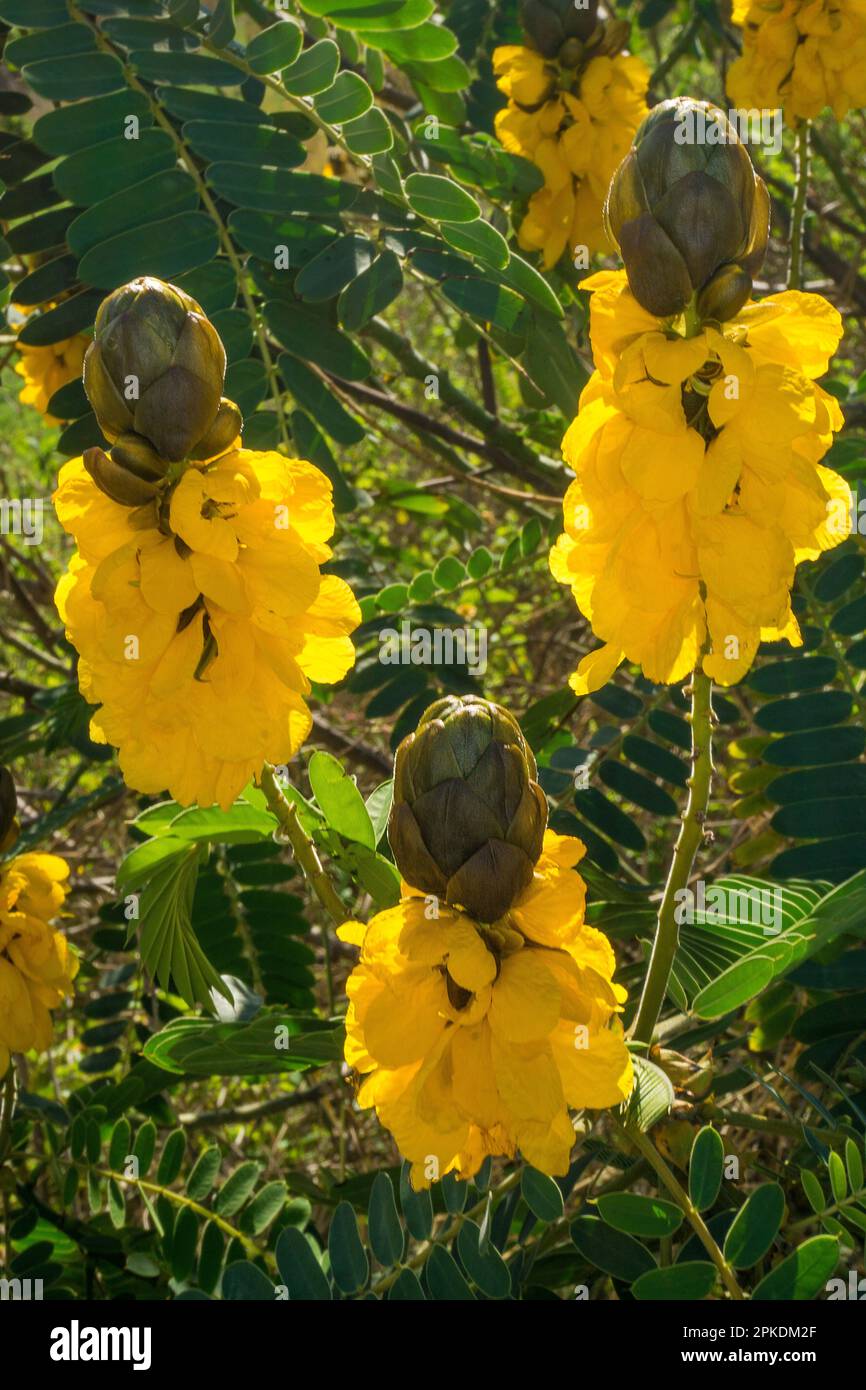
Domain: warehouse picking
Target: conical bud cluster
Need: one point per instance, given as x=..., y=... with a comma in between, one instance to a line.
x=468, y=818
x=156, y=367
x=154, y=375
x=689, y=213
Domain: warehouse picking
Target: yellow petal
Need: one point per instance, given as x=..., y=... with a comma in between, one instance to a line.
x=662, y=467
x=220, y=581
x=596, y=669
x=167, y=582
x=176, y=666
x=402, y=1025
x=525, y=1004
x=719, y=473
x=352, y=933
x=800, y=330
x=596, y=1069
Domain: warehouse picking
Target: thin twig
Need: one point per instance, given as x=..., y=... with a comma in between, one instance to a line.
x=242, y=1114
x=798, y=213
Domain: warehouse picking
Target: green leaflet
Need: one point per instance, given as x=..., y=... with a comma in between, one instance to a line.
x=168, y=944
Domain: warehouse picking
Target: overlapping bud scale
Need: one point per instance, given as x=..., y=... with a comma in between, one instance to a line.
x=554, y=26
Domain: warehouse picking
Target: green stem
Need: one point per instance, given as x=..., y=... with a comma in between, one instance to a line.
x=333, y=134
x=692, y=319
x=854, y=1199
x=304, y=850
x=688, y=842
x=798, y=214
x=8, y=1105
x=648, y=1151
x=6, y=1113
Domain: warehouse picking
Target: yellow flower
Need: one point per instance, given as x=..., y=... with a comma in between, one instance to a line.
x=547, y=226
x=523, y=75
x=698, y=483
x=37, y=966
x=46, y=369
x=476, y=1040
x=576, y=138
x=201, y=620
x=800, y=55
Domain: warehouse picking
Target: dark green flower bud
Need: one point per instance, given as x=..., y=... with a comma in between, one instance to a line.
x=222, y=433
x=609, y=38
x=139, y=458
x=551, y=23
x=657, y=274
x=684, y=203
x=8, y=807
x=572, y=53
x=127, y=486
x=725, y=293
x=468, y=818
x=156, y=366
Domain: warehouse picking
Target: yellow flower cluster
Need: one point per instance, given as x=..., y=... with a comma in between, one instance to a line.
x=46, y=369
x=575, y=137
x=800, y=55
x=476, y=1040
x=201, y=619
x=37, y=966
x=699, y=486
